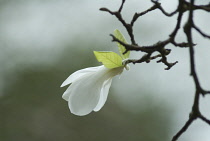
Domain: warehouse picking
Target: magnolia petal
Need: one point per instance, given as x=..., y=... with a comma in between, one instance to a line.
x=67, y=93
x=85, y=95
x=89, y=89
x=78, y=74
x=103, y=94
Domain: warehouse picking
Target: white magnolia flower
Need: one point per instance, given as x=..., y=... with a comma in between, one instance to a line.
x=89, y=88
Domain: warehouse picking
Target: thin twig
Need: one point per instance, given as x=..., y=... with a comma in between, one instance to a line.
x=193, y=116
x=158, y=5
x=204, y=119
x=203, y=34
x=183, y=129
x=120, y=9
x=179, y=19
x=137, y=15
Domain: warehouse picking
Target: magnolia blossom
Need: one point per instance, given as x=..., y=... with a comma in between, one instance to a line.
x=89, y=88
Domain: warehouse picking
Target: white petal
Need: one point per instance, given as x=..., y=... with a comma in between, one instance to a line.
x=67, y=93
x=89, y=92
x=84, y=95
x=103, y=94
x=78, y=74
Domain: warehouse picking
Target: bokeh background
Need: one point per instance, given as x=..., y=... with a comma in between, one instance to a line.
x=43, y=41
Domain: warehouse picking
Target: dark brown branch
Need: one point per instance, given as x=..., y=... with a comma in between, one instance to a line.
x=183, y=129
x=118, y=15
x=204, y=119
x=137, y=15
x=179, y=19
x=187, y=6
x=146, y=58
x=195, y=109
x=203, y=7
x=164, y=60
x=181, y=45
x=120, y=9
x=159, y=47
x=158, y=5
x=203, y=34
x=193, y=116
x=188, y=31
x=148, y=49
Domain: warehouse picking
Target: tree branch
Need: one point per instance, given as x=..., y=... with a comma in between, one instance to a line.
x=199, y=31
x=160, y=47
x=195, y=109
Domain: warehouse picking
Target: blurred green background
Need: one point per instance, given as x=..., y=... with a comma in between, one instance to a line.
x=43, y=42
